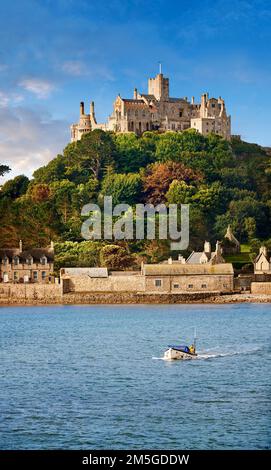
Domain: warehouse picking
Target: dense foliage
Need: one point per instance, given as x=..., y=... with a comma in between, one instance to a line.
x=224, y=182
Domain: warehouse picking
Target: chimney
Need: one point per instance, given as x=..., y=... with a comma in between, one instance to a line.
x=92, y=111
x=20, y=246
x=135, y=94
x=82, y=111
x=52, y=247
x=207, y=247
x=169, y=260
x=193, y=100
x=181, y=259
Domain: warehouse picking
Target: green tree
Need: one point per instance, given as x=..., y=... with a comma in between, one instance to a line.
x=15, y=188
x=4, y=169
x=116, y=257
x=89, y=156
x=180, y=192
x=123, y=188
x=62, y=195
x=53, y=171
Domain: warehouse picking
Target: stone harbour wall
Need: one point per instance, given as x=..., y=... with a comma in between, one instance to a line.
x=261, y=288
x=45, y=293
x=108, y=284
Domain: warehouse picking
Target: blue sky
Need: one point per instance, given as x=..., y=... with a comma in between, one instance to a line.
x=55, y=53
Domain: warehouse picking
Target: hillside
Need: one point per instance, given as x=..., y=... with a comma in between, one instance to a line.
x=224, y=182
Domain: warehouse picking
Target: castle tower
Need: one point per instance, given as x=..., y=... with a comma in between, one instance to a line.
x=159, y=87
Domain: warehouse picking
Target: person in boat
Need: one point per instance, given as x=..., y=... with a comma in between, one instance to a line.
x=192, y=349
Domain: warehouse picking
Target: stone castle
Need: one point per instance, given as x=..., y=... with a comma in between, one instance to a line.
x=158, y=111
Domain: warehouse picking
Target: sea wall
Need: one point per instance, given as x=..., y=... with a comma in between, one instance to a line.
x=261, y=288
x=45, y=293
x=84, y=283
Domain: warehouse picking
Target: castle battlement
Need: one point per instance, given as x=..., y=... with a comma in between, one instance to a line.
x=156, y=110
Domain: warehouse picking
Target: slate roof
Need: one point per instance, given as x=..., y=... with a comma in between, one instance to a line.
x=36, y=253
x=195, y=256
x=91, y=272
x=187, y=269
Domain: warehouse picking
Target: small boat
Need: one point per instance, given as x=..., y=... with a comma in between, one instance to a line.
x=175, y=352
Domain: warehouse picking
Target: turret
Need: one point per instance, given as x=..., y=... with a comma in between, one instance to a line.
x=20, y=246
x=135, y=94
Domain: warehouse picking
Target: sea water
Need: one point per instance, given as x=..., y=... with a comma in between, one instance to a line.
x=91, y=377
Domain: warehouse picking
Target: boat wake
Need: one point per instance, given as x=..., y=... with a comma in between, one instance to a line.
x=214, y=353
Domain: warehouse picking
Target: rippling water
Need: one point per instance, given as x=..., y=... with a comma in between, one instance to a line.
x=91, y=377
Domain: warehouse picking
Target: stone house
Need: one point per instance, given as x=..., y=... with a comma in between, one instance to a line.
x=23, y=266
x=230, y=243
x=262, y=262
x=207, y=256
x=153, y=278
x=179, y=278
x=156, y=110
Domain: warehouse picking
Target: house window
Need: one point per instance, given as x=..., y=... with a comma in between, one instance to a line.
x=190, y=286
x=15, y=276
x=35, y=275
x=158, y=282
x=176, y=286
x=43, y=260
x=43, y=275
x=203, y=286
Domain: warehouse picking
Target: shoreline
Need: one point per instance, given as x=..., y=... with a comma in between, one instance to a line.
x=101, y=300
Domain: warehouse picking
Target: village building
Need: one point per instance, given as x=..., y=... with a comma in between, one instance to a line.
x=156, y=110
x=153, y=278
x=207, y=256
x=230, y=243
x=26, y=266
x=262, y=263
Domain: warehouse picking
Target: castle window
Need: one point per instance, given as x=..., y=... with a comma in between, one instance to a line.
x=16, y=260
x=190, y=286
x=158, y=282
x=15, y=276
x=43, y=275
x=213, y=105
x=203, y=286
x=5, y=260
x=43, y=260
x=35, y=275
x=176, y=286
x=180, y=113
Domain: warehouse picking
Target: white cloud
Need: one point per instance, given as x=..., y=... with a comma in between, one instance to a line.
x=74, y=67
x=29, y=139
x=7, y=99
x=95, y=70
x=41, y=88
x=4, y=99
